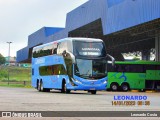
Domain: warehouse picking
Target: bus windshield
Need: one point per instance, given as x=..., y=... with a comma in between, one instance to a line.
x=84, y=48
x=91, y=69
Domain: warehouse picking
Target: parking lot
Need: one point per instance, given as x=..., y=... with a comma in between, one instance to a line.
x=26, y=99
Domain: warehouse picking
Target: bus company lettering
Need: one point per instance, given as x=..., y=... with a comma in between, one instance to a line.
x=91, y=49
x=130, y=97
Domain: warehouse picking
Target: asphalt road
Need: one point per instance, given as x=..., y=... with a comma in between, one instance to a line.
x=24, y=99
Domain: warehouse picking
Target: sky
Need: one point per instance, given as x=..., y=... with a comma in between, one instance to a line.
x=20, y=18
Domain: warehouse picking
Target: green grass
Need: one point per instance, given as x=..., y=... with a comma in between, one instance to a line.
x=11, y=85
x=16, y=76
x=15, y=73
x=14, y=85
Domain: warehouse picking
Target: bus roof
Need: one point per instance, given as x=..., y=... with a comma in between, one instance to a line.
x=85, y=39
x=138, y=62
x=70, y=39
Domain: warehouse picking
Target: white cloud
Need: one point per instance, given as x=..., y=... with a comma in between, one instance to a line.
x=20, y=18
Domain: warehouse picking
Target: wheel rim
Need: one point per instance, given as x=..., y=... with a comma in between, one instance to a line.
x=65, y=88
x=114, y=87
x=41, y=85
x=125, y=87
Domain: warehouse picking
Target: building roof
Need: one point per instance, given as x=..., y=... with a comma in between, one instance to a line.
x=98, y=18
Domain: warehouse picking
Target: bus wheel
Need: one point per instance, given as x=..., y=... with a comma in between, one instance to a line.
x=114, y=86
x=64, y=88
x=68, y=91
x=47, y=90
x=43, y=89
x=93, y=91
x=39, y=86
x=125, y=87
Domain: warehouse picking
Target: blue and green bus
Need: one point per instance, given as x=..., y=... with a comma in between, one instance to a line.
x=129, y=75
x=70, y=64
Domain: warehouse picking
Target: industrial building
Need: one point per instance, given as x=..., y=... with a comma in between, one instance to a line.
x=124, y=25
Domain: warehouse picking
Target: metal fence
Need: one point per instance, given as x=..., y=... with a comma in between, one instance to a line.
x=20, y=83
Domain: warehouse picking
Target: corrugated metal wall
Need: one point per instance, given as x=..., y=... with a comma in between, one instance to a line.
x=130, y=13
x=86, y=13
x=39, y=37
x=22, y=54
x=57, y=36
x=115, y=15
x=36, y=38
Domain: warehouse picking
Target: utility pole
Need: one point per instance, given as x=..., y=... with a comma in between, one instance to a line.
x=8, y=60
x=9, y=53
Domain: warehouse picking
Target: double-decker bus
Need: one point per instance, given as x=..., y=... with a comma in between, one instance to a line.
x=70, y=64
x=139, y=75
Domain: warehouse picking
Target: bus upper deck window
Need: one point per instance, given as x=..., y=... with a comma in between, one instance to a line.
x=54, y=51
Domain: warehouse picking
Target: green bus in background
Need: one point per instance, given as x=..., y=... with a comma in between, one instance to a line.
x=139, y=75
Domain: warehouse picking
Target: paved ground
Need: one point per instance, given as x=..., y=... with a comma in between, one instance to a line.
x=23, y=99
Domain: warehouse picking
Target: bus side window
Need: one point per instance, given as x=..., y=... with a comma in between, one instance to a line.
x=132, y=68
x=116, y=68
x=127, y=68
x=61, y=47
x=150, y=67
x=158, y=67
x=136, y=68
x=110, y=68
x=120, y=68
x=54, y=51
x=69, y=46
x=52, y=70
x=139, y=68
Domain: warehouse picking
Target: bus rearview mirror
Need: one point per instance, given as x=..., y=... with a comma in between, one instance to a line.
x=112, y=59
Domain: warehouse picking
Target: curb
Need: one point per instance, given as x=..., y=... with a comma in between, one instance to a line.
x=135, y=91
x=150, y=91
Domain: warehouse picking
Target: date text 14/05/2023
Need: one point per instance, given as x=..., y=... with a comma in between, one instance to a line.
x=130, y=100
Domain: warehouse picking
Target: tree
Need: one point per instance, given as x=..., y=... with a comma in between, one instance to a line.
x=2, y=59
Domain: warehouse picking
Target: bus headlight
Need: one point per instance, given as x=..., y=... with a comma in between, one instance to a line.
x=105, y=82
x=76, y=81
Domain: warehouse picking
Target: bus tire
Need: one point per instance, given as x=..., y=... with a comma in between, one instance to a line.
x=41, y=86
x=68, y=91
x=64, y=88
x=38, y=85
x=93, y=91
x=47, y=90
x=43, y=89
x=125, y=87
x=114, y=86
